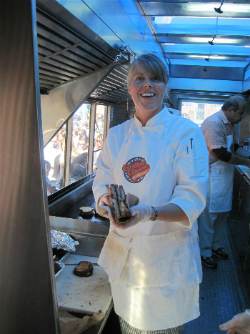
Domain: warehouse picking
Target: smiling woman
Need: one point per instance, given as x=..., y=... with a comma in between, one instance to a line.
x=151, y=259
x=147, y=85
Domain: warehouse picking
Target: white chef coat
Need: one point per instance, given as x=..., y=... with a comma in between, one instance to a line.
x=158, y=287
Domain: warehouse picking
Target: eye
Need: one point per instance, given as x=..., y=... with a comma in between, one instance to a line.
x=155, y=78
x=139, y=78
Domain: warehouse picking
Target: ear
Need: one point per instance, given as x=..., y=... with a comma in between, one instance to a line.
x=231, y=109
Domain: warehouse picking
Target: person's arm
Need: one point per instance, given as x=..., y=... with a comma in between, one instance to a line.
x=242, y=153
x=169, y=213
x=240, y=158
x=190, y=167
x=236, y=160
x=217, y=142
x=239, y=324
x=172, y=213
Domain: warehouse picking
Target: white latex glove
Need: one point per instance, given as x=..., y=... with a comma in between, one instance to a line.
x=104, y=201
x=239, y=324
x=140, y=214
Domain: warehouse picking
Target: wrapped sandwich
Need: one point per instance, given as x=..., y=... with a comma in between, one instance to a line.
x=118, y=204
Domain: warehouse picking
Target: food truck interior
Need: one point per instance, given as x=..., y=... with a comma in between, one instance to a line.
x=63, y=86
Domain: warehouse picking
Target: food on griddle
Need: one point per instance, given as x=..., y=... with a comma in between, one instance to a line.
x=84, y=269
x=118, y=204
x=86, y=211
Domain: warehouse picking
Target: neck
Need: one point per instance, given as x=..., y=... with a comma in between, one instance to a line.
x=145, y=116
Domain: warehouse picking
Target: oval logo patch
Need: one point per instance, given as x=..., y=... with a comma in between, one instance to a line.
x=135, y=169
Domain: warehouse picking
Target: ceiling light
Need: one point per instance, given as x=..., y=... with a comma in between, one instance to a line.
x=220, y=41
x=217, y=57
x=218, y=10
x=209, y=57
x=196, y=56
x=212, y=41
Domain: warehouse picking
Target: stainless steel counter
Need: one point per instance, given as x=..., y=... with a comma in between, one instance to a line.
x=239, y=218
x=91, y=237
x=244, y=171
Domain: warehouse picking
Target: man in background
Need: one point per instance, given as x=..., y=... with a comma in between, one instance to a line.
x=218, y=133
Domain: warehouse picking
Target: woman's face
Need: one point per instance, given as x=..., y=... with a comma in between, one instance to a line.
x=146, y=91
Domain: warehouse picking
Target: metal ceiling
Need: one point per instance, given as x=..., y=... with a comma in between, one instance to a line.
x=66, y=56
x=204, y=50
x=200, y=43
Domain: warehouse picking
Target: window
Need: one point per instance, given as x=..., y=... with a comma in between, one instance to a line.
x=200, y=116
x=99, y=132
x=54, y=158
x=80, y=143
x=198, y=112
x=67, y=154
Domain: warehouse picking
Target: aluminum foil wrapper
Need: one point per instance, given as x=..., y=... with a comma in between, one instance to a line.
x=61, y=240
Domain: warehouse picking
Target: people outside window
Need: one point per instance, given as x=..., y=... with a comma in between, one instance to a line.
x=83, y=142
x=154, y=265
x=218, y=133
x=51, y=151
x=47, y=166
x=58, y=174
x=80, y=157
x=97, y=149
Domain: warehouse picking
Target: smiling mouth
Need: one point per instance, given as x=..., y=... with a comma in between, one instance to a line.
x=147, y=95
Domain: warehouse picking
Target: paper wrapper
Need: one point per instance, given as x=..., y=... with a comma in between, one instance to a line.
x=131, y=200
x=70, y=324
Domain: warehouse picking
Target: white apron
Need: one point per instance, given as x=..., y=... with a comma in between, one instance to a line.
x=222, y=175
x=162, y=258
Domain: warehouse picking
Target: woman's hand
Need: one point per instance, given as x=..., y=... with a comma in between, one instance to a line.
x=239, y=324
x=140, y=214
x=104, y=201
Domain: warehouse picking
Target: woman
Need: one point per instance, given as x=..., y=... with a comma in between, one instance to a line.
x=156, y=289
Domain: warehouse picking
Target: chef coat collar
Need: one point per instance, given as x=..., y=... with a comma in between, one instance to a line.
x=154, y=121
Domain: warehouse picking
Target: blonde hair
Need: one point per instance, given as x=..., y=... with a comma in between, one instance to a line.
x=153, y=64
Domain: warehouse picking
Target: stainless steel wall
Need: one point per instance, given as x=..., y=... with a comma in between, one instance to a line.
x=27, y=287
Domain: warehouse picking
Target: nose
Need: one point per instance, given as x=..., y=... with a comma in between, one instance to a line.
x=147, y=82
